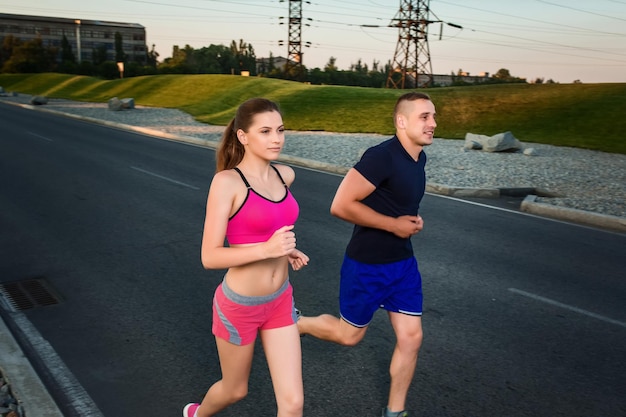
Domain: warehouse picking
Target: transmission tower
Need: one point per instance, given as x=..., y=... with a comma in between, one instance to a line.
x=293, y=67
x=411, y=66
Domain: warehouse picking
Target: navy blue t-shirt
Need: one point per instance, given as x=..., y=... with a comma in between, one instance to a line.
x=400, y=184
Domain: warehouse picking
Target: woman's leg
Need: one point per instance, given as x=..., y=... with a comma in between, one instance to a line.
x=284, y=359
x=235, y=363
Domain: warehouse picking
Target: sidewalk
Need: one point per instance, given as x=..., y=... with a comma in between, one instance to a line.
x=25, y=387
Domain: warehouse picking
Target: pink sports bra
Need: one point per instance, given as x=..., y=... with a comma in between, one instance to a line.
x=258, y=217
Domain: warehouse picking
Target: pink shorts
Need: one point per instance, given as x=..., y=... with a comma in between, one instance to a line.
x=238, y=318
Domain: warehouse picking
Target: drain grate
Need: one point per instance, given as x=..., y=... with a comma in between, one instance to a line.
x=30, y=293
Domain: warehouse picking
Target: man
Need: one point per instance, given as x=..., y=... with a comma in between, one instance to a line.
x=380, y=195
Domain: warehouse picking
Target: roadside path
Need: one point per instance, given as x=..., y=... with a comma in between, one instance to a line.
x=578, y=185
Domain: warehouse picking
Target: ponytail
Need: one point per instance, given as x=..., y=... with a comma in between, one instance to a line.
x=230, y=151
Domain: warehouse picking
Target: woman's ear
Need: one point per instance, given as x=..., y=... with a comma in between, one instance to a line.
x=241, y=135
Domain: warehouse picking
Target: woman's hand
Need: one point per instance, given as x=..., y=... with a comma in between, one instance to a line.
x=282, y=243
x=297, y=259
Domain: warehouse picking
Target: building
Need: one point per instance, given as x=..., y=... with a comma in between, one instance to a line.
x=263, y=64
x=85, y=36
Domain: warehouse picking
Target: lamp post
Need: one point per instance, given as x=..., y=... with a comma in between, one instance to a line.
x=78, y=48
x=120, y=67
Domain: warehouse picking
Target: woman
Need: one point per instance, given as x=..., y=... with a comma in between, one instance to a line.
x=249, y=204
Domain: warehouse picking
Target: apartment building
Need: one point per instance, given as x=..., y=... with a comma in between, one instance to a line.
x=85, y=36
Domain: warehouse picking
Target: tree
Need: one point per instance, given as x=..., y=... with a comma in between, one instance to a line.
x=177, y=63
x=215, y=59
x=359, y=67
x=31, y=57
x=377, y=77
x=66, y=51
x=331, y=64
x=8, y=45
x=68, y=60
x=317, y=76
x=503, y=74
x=271, y=66
x=152, y=58
x=120, y=56
x=244, y=57
x=99, y=55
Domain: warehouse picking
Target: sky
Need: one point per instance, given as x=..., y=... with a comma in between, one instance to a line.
x=559, y=40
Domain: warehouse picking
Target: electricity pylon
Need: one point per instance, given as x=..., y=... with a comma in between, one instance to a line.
x=293, y=66
x=411, y=66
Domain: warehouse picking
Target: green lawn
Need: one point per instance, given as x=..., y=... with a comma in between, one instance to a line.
x=590, y=116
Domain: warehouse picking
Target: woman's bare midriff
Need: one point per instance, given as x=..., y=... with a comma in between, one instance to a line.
x=258, y=278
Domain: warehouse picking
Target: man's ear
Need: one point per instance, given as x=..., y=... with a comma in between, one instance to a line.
x=400, y=121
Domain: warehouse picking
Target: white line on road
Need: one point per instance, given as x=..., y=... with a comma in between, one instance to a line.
x=40, y=137
x=568, y=307
x=165, y=178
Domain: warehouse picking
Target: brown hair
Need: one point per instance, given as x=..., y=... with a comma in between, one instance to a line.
x=412, y=96
x=230, y=151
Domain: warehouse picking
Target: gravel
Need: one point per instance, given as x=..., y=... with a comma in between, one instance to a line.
x=9, y=406
x=573, y=178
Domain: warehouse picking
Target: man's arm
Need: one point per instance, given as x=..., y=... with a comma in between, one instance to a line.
x=347, y=206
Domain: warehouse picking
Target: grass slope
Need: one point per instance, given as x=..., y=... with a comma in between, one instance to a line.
x=590, y=116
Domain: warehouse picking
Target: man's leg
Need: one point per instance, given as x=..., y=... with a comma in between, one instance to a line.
x=409, y=336
x=332, y=329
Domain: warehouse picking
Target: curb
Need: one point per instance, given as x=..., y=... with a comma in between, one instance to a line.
x=462, y=191
x=532, y=206
x=604, y=221
x=25, y=384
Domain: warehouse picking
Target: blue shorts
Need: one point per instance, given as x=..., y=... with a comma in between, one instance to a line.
x=364, y=288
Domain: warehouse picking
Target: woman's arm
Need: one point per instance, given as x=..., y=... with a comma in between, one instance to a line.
x=215, y=254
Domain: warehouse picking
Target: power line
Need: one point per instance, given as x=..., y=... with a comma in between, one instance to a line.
x=526, y=18
x=580, y=10
x=181, y=6
x=528, y=48
x=582, y=48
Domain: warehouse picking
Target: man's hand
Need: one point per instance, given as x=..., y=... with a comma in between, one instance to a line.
x=407, y=226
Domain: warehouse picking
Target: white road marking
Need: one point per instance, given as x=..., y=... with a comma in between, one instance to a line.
x=165, y=178
x=568, y=307
x=40, y=137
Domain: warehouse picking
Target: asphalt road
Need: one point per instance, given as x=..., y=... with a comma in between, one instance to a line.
x=523, y=316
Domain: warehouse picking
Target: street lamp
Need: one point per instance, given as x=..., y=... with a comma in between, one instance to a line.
x=78, y=48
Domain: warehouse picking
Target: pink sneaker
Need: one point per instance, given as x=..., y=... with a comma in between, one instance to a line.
x=190, y=410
